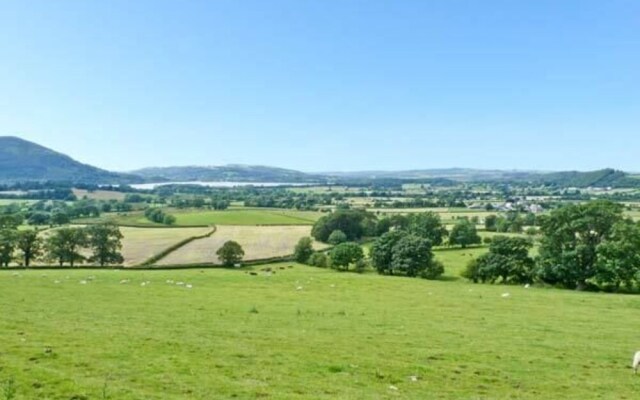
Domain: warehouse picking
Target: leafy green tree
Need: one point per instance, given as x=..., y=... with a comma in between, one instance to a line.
x=464, y=234
x=303, y=250
x=571, y=236
x=507, y=260
x=411, y=255
x=618, y=258
x=60, y=217
x=7, y=246
x=490, y=222
x=10, y=221
x=64, y=245
x=319, y=260
x=354, y=224
x=105, y=242
x=427, y=225
x=39, y=218
x=337, y=237
x=381, y=252
x=168, y=219
x=346, y=254
x=30, y=245
x=230, y=253
x=399, y=252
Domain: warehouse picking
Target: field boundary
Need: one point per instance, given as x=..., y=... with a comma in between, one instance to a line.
x=171, y=249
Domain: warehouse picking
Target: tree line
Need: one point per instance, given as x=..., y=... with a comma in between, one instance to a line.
x=588, y=246
x=96, y=244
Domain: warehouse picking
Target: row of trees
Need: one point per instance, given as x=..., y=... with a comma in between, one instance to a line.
x=583, y=246
x=155, y=214
x=98, y=244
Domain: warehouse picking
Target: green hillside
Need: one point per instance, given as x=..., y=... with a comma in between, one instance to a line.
x=21, y=160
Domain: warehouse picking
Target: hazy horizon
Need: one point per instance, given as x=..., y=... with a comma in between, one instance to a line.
x=326, y=86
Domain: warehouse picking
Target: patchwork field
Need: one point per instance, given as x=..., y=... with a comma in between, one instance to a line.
x=140, y=244
x=258, y=242
x=307, y=333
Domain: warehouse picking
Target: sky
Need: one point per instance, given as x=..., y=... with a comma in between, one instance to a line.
x=326, y=85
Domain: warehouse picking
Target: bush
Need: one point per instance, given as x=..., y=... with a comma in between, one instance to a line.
x=337, y=237
x=303, y=250
x=319, y=260
x=433, y=270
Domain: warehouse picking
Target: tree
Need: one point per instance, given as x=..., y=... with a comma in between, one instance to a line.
x=39, y=218
x=7, y=246
x=381, y=252
x=464, y=234
x=168, y=219
x=105, y=241
x=64, y=245
x=508, y=260
x=411, y=255
x=337, y=237
x=400, y=252
x=319, y=259
x=490, y=222
x=59, y=217
x=427, y=225
x=570, y=239
x=346, y=254
x=30, y=245
x=303, y=250
x=353, y=223
x=230, y=253
x=618, y=258
x=10, y=221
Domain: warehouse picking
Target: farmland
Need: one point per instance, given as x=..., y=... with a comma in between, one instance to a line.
x=339, y=336
x=140, y=244
x=258, y=242
x=235, y=216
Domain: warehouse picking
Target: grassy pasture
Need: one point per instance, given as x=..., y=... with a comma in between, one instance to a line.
x=234, y=216
x=258, y=242
x=248, y=216
x=340, y=336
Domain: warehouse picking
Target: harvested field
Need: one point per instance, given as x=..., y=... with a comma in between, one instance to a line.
x=140, y=244
x=258, y=242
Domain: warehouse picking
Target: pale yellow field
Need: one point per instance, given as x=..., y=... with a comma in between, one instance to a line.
x=258, y=242
x=140, y=244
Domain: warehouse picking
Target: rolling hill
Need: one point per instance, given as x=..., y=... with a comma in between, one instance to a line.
x=21, y=160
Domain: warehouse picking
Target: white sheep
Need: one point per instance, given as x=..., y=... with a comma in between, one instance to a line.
x=636, y=362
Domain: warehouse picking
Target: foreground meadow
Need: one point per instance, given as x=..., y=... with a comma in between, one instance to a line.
x=307, y=333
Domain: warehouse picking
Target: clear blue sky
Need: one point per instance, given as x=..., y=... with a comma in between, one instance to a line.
x=326, y=85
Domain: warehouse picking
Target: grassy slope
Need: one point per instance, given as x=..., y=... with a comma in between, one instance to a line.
x=341, y=336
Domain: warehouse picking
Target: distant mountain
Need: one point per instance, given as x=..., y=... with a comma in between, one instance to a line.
x=580, y=179
x=238, y=173
x=454, y=174
x=21, y=160
x=602, y=178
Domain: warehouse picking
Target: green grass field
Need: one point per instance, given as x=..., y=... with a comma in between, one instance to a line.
x=247, y=217
x=307, y=333
x=234, y=216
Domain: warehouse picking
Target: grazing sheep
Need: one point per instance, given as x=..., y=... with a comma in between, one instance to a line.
x=636, y=362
